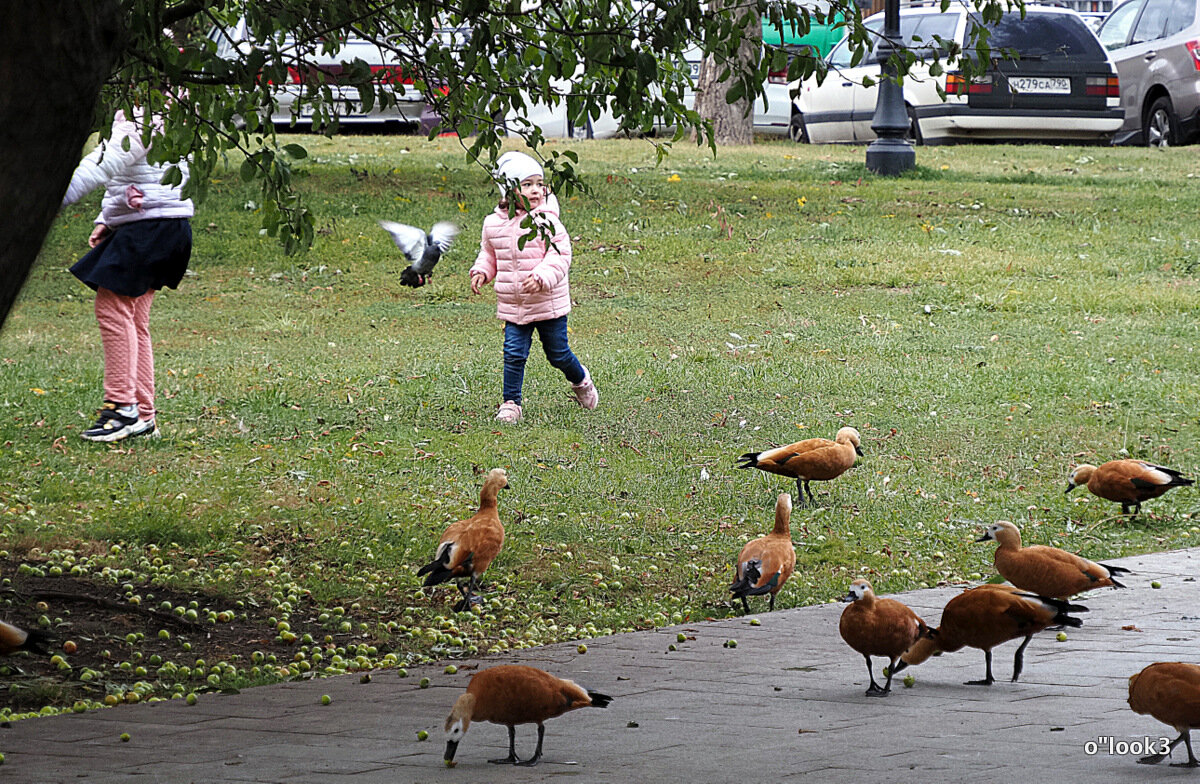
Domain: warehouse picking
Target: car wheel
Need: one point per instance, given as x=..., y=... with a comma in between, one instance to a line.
x=1158, y=129
x=914, y=128
x=797, y=131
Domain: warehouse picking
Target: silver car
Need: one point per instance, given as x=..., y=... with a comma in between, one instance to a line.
x=1156, y=46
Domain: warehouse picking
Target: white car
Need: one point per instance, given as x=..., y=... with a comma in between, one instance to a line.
x=1062, y=87
x=386, y=67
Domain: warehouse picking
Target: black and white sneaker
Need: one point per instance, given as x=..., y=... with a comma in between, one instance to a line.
x=114, y=423
x=147, y=428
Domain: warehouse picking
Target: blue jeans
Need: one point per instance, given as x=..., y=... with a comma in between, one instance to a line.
x=518, y=338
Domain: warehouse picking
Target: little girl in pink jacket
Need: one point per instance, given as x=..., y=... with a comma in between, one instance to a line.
x=532, y=292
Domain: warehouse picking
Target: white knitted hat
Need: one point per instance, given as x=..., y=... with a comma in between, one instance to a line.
x=516, y=166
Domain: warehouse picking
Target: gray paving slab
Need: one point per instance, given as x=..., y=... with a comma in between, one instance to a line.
x=786, y=704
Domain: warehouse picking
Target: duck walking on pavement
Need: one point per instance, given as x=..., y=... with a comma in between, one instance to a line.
x=878, y=627
x=1046, y=571
x=513, y=694
x=987, y=616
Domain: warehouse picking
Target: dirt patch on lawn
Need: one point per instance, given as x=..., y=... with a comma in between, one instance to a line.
x=124, y=651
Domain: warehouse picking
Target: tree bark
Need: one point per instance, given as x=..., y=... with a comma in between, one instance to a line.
x=733, y=123
x=54, y=58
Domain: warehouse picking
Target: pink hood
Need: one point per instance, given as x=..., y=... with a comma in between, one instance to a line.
x=502, y=259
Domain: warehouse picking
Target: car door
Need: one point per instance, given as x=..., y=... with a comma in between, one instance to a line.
x=827, y=108
x=917, y=31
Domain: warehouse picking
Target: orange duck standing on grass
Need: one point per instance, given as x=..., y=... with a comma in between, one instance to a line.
x=767, y=562
x=1126, y=482
x=810, y=460
x=468, y=547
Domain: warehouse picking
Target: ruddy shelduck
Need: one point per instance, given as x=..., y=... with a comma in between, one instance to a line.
x=986, y=616
x=14, y=638
x=1046, y=571
x=1170, y=692
x=878, y=627
x=810, y=460
x=468, y=547
x=1127, y=482
x=767, y=562
x=513, y=694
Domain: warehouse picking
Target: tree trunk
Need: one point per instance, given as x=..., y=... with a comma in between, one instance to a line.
x=54, y=58
x=733, y=123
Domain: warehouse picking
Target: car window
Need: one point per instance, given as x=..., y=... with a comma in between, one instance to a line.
x=929, y=27
x=1153, y=23
x=1115, y=32
x=1045, y=36
x=841, y=56
x=1180, y=17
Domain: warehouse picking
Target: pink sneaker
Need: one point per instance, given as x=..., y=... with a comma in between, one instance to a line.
x=585, y=391
x=509, y=412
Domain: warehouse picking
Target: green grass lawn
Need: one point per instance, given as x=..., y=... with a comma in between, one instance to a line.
x=987, y=322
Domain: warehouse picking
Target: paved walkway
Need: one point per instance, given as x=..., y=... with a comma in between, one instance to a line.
x=786, y=704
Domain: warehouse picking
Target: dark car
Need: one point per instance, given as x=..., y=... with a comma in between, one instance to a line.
x=1061, y=85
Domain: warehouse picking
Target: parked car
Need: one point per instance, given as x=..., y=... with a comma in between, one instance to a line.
x=1156, y=46
x=1061, y=86
x=325, y=67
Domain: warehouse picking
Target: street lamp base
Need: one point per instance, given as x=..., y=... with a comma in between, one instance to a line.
x=890, y=157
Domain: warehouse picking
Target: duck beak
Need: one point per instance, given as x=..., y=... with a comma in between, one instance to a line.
x=858, y=451
x=451, y=749
x=849, y=597
x=900, y=665
x=1070, y=487
x=984, y=537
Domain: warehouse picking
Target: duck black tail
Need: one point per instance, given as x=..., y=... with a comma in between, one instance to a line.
x=748, y=460
x=36, y=640
x=599, y=700
x=749, y=578
x=436, y=569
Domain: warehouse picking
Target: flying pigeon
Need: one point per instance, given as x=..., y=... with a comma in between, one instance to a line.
x=421, y=249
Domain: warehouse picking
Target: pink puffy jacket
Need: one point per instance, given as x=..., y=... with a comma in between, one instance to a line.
x=502, y=259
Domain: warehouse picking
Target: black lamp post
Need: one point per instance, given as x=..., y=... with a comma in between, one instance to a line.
x=891, y=153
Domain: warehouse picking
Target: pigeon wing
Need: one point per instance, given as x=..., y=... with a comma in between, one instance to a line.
x=442, y=234
x=409, y=239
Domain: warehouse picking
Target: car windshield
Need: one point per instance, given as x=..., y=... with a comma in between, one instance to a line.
x=1043, y=36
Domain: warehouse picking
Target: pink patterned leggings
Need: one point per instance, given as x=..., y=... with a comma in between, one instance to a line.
x=128, y=355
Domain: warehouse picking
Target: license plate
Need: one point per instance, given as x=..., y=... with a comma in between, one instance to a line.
x=1040, y=85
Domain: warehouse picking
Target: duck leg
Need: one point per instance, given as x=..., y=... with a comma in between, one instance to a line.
x=745, y=606
x=771, y=606
x=874, y=690
x=989, y=680
x=1019, y=659
x=800, y=500
x=468, y=594
x=1192, y=761
x=511, y=759
x=537, y=753
x=1185, y=736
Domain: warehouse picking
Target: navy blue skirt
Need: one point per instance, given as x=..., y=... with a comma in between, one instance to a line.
x=139, y=256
